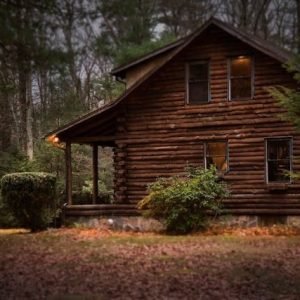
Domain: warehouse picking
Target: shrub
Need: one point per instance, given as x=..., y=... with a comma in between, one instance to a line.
x=30, y=197
x=183, y=203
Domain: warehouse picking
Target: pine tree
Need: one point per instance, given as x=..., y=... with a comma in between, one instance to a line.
x=289, y=98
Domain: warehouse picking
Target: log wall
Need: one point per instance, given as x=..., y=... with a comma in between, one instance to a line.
x=161, y=134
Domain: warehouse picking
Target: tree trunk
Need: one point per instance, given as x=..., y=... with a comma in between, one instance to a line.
x=29, y=119
x=298, y=25
x=5, y=116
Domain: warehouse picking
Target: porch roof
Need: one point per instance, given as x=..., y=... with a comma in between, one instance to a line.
x=96, y=127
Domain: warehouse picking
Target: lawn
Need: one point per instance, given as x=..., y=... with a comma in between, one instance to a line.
x=99, y=264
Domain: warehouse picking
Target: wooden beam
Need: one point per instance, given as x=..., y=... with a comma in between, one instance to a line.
x=68, y=159
x=95, y=173
x=91, y=139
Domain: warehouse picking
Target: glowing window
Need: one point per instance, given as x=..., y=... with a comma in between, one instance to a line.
x=240, y=78
x=216, y=153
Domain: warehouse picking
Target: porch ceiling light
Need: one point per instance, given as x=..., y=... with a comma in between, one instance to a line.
x=54, y=140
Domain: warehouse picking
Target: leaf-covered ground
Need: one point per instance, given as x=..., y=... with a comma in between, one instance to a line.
x=99, y=264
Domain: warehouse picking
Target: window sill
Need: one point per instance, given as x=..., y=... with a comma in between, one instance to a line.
x=197, y=103
x=277, y=186
x=241, y=99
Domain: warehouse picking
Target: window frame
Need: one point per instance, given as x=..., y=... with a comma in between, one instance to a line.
x=227, y=154
x=229, y=77
x=187, y=81
x=281, y=138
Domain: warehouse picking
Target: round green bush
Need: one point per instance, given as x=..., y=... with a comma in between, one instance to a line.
x=30, y=197
x=184, y=203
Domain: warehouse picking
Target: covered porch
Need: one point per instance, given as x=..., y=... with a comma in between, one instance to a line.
x=97, y=129
x=97, y=207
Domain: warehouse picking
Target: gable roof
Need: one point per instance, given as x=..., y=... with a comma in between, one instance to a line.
x=260, y=44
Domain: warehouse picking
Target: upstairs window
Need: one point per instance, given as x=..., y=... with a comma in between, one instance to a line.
x=216, y=153
x=197, y=82
x=240, y=79
x=278, y=160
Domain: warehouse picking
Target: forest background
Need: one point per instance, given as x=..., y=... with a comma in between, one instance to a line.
x=56, y=55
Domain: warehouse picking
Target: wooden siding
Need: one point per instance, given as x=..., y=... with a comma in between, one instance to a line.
x=137, y=72
x=159, y=134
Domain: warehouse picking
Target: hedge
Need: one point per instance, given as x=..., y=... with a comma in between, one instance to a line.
x=30, y=197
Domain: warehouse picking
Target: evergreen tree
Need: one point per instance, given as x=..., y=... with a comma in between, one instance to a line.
x=289, y=98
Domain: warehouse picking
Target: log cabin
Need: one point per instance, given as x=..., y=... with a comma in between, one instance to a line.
x=201, y=100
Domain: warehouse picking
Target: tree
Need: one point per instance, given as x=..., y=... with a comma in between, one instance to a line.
x=124, y=26
x=21, y=51
x=289, y=98
x=182, y=17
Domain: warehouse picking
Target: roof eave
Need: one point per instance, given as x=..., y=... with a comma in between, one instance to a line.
x=120, y=71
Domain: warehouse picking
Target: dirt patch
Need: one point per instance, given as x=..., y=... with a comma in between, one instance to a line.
x=102, y=264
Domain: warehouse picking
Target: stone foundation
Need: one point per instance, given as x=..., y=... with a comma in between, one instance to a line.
x=256, y=221
x=137, y=224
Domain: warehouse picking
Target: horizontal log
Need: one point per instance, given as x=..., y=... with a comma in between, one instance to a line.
x=262, y=200
x=262, y=206
x=99, y=206
x=90, y=139
x=102, y=213
x=269, y=211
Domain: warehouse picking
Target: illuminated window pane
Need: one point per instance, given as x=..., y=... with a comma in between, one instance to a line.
x=240, y=77
x=216, y=154
x=241, y=66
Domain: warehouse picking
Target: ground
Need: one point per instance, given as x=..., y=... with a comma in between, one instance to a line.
x=99, y=264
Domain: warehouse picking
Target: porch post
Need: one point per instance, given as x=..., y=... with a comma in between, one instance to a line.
x=95, y=173
x=68, y=173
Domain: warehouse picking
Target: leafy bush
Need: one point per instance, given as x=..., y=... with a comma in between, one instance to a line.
x=182, y=203
x=30, y=197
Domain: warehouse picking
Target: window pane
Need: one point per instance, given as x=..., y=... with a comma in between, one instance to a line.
x=216, y=148
x=278, y=149
x=278, y=170
x=241, y=66
x=216, y=154
x=198, y=83
x=278, y=155
x=241, y=88
x=198, y=71
x=198, y=92
x=220, y=162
